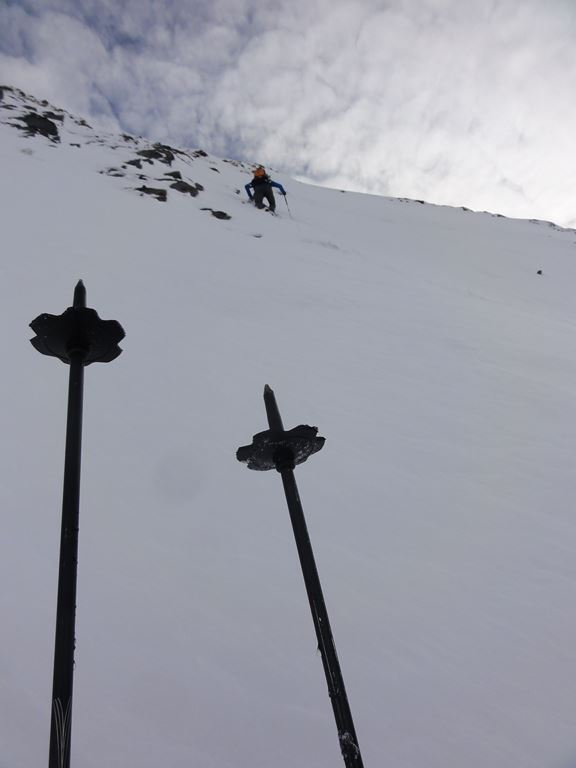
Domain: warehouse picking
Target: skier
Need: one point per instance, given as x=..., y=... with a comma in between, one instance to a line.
x=262, y=185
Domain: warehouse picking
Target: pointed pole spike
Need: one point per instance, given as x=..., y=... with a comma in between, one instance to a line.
x=80, y=295
x=272, y=412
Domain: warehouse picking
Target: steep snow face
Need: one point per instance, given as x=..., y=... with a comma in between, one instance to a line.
x=440, y=367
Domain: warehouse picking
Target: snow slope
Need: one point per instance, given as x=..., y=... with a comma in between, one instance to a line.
x=440, y=367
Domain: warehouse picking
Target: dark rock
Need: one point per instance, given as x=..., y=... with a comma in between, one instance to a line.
x=174, y=174
x=183, y=186
x=159, y=194
x=539, y=272
x=160, y=152
x=113, y=172
x=199, y=187
x=164, y=147
x=127, y=137
x=75, y=145
x=214, y=169
x=135, y=163
x=217, y=214
x=38, y=124
x=84, y=124
x=142, y=177
x=199, y=153
x=149, y=154
x=54, y=116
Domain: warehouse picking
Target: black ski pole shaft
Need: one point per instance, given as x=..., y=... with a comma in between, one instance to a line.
x=287, y=206
x=326, y=646
x=281, y=450
x=77, y=337
x=61, y=723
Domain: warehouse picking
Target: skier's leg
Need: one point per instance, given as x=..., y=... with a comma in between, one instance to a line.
x=270, y=198
x=258, y=197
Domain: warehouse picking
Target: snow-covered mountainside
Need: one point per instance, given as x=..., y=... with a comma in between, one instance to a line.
x=432, y=355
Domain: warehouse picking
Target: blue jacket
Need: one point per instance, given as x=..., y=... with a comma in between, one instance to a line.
x=278, y=186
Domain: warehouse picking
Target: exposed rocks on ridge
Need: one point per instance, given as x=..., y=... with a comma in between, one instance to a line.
x=159, y=194
x=34, y=124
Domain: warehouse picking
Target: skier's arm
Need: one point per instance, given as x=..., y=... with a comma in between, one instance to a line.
x=279, y=187
x=247, y=188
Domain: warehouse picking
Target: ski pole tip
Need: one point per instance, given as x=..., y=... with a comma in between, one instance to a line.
x=272, y=412
x=80, y=294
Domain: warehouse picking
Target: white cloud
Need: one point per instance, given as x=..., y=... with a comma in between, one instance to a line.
x=461, y=103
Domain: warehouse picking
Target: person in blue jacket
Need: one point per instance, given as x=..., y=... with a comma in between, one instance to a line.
x=260, y=188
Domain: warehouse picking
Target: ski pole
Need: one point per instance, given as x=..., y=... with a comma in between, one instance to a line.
x=77, y=337
x=282, y=450
x=287, y=206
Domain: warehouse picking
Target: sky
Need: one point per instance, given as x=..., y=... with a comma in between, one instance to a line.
x=468, y=104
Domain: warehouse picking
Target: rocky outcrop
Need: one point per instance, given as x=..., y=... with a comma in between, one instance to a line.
x=39, y=124
x=160, y=152
x=183, y=186
x=134, y=156
x=217, y=214
x=159, y=194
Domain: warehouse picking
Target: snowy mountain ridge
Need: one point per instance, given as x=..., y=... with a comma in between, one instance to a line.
x=137, y=155
x=434, y=348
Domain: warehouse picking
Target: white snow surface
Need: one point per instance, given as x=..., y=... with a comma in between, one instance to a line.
x=440, y=367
